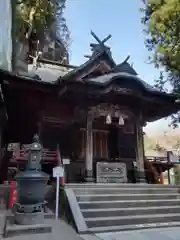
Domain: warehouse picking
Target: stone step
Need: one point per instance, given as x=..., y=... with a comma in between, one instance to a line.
x=131, y=220
x=113, y=197
x=120, y=185
x=118, y=207
x=128, y=203
x=113, y=212
x=116, y=190
x=133, y=227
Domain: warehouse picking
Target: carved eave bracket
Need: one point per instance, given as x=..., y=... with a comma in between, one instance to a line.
x=102, y=110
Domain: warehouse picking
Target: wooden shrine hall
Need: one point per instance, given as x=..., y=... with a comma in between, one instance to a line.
x=94, y=112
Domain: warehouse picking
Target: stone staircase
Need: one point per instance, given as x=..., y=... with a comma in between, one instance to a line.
x=101, y=208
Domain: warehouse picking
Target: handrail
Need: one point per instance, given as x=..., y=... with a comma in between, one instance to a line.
x=79, y=220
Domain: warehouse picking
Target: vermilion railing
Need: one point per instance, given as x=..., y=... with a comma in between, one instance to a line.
x=48, y=156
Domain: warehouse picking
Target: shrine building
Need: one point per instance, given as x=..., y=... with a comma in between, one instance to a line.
x=93, y=114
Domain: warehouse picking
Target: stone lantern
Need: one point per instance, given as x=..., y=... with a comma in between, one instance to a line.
x=31, y=188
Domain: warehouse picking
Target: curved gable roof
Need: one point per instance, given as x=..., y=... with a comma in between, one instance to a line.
x=117, y=76
x=125, y=67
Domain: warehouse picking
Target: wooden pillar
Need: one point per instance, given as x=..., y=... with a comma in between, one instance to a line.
x=140, y=154
x=89, y=150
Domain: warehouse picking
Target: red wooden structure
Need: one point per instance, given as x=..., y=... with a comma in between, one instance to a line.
x=47, y=157
x=13, y=194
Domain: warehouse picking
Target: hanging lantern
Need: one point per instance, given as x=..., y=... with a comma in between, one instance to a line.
x=108, y=119
x=121, y=120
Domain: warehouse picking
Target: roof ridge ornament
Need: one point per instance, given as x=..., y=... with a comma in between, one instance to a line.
x=100, y=46
x=99, y=41
x=127, y=59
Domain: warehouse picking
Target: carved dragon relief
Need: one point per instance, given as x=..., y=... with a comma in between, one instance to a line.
x=111, y=170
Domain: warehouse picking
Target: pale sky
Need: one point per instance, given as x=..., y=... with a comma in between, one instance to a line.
x=121, y=19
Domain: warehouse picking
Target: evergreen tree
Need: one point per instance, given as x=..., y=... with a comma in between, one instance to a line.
x=33, y=18
x=161, y=21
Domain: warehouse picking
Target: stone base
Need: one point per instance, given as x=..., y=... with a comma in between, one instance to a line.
x=11, y=229
x=89, y=180
x=89, y=176
x=140, y=178
x=48, y=214
x=28, y=218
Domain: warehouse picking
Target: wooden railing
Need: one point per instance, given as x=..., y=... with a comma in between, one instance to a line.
x=48, y=156
x=156, y=159
x=163, y=159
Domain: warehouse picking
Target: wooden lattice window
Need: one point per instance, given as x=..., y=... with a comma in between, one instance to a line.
x=100, y=143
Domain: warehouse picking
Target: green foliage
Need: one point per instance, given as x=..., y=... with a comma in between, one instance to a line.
x=162, y=28
x=161, y=25
x=32, y=14
x=36, y=16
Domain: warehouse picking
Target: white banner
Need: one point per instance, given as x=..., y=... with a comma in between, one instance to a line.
x=5, y=34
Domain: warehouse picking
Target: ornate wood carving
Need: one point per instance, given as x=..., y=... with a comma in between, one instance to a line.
x=114, y=110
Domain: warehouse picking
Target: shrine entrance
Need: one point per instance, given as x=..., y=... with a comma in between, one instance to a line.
x=109, y=137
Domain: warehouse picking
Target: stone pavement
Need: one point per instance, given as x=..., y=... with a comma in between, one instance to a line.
x=61, y=230
x=155, y=234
